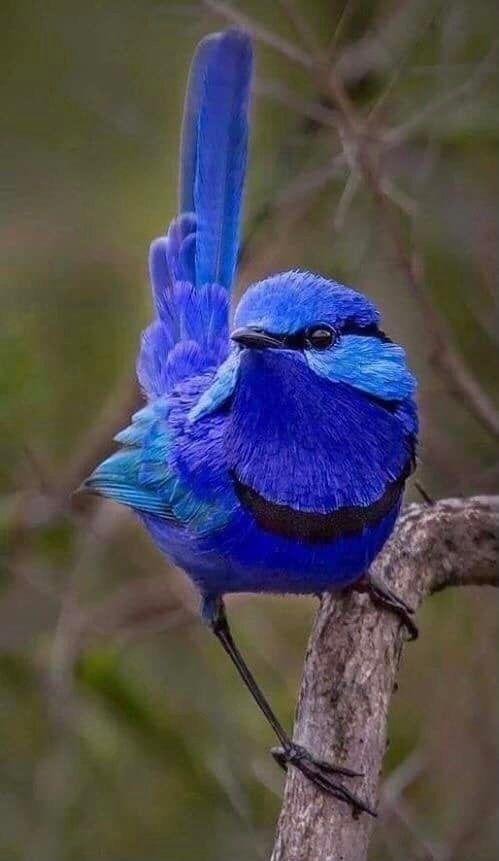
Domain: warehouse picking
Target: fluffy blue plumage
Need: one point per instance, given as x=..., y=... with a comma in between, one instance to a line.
x=276, y=461
x=273, y=459
x=291, y=301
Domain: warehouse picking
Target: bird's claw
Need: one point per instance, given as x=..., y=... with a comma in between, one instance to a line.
x=295, y=753
x=319, y=772
x=384, y=597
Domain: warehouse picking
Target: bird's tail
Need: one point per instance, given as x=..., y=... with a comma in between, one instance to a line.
x=213, y=151
x=202, y=243
x=192, y=268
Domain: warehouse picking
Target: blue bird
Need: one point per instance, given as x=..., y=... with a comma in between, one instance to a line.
x=272, y=459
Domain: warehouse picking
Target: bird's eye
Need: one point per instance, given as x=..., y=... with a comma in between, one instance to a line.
x=320, y=337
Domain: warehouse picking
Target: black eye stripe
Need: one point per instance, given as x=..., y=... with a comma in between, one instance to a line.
x=296, y=341
x=299, y=340
x=370, y=331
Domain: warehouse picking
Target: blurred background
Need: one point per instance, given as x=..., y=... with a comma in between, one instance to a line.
x=124, y=733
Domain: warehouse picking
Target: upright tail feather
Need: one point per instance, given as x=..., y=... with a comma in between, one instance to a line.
x=190, y=122
x=192, y=267
x=214, y=150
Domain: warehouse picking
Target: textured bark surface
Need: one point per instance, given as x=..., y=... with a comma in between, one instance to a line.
x=351, y=665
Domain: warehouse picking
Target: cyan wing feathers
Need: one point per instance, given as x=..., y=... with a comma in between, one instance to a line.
x=125, y=476
x=139, y=475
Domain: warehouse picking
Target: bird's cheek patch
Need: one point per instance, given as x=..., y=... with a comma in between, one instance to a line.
x=368, y=365
x=222, y=387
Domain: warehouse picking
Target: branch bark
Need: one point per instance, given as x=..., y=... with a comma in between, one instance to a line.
x=351, y=664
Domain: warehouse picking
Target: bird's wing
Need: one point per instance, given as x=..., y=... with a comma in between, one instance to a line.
x=192, y=267
x=141, y=475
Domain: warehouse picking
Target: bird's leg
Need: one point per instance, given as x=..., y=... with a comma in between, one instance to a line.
x=424, y=493
x=288, y=753
x=383, y=596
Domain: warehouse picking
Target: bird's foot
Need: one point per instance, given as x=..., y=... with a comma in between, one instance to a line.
x=320, y=772
x=424, y=493
x=383, y=597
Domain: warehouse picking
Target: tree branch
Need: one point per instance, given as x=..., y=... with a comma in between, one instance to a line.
x=351, y=664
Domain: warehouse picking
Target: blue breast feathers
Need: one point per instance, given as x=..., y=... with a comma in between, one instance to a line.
x=309, y=443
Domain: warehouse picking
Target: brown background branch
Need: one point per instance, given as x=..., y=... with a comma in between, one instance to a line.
x=351, y=665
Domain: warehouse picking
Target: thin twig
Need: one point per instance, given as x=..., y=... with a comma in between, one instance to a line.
x=377, y=50
x=442, y=352
x=465, y=90
x=283, y=46
x=311, y=180
x=278, y=92
x=302, y=27
x=347, y=196
x=346, y=14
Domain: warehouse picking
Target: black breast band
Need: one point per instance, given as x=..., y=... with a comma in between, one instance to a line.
x=318, y=528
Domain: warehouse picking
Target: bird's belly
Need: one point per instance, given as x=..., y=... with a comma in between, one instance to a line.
x=265, y=562
x=246, y=558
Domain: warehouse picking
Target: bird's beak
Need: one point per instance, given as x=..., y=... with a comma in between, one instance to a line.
x=252, y=337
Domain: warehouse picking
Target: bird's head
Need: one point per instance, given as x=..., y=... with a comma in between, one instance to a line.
x=331, y=329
